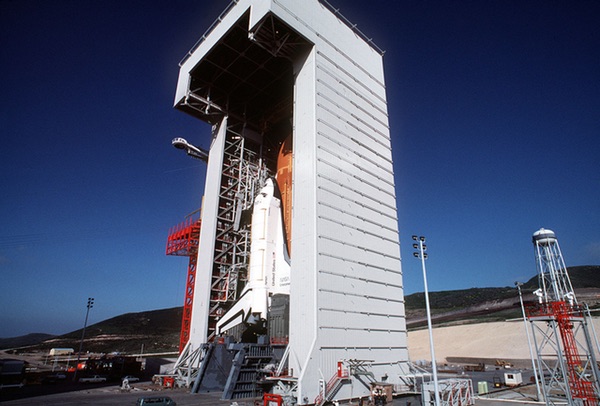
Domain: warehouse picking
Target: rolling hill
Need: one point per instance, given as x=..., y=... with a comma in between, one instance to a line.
x=158, y=330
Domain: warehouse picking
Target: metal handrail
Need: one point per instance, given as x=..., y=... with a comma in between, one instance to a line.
x=335, y=11
x=208, y=31
x=361, y=34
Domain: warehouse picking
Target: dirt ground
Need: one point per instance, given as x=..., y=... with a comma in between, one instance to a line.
x=497, y=340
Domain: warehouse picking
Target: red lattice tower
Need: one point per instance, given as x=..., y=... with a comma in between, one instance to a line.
x=183, y=240
x=580, y=387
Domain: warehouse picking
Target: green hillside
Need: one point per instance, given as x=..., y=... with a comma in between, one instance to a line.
x=158, y=330
x=587, y=276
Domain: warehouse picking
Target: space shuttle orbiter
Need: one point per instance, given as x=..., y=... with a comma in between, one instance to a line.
x=269, y=266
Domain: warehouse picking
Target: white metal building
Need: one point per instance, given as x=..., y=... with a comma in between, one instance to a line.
x=268, y=62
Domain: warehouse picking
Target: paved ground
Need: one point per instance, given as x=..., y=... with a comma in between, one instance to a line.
x=112, y=395
x=67, y=393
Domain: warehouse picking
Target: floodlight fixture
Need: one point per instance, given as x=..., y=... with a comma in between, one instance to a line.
x=90, y=304
x=191, y=150
x=423, y=255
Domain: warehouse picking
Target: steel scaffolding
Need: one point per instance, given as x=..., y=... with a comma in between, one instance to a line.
x=183, y=240
x=244, y=173
x=567, y=366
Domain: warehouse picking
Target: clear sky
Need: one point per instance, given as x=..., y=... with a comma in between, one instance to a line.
x=494, y=111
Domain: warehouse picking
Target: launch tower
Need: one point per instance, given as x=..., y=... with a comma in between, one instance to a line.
x=562, y=331
x=299, y=251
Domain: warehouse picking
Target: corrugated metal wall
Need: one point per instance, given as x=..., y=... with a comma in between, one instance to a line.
x=354, y=296
x=360, y=294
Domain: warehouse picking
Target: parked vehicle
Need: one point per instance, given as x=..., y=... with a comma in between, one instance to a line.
x=12, y=373
x=156, y=401
x=131, y=378
x=92, y=379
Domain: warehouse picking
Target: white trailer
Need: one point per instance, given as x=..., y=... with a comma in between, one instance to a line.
x=513, y=378
x=55, y=352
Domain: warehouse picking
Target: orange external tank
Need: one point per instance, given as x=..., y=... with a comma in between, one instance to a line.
x=284, y=182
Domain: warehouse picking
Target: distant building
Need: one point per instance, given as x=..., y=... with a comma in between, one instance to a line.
x=55, y=352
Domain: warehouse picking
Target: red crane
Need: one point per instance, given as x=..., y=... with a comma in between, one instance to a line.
x=183, y=240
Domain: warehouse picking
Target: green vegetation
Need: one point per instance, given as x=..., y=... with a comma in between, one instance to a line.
x=158, y=330
x=458, y=299
x=587, y=276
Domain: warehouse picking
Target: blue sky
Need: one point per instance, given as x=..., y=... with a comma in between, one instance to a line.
x=494, y=111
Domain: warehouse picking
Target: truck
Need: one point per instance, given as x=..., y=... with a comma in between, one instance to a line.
x=92, y=379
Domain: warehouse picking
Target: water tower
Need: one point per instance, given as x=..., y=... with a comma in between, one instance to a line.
x=562, y=331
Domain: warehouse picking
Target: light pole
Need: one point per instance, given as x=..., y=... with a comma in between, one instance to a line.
x=420, y=245
x=535, y=375
x=90, y=304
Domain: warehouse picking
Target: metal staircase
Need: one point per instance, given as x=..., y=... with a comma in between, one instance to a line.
x=576, y=371
x=581, y=387
x=333, y=386
x=247, y=371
